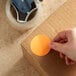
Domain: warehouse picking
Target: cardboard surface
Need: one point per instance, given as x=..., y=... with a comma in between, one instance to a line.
x=51, y=64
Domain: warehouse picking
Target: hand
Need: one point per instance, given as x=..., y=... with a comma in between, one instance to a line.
x=65, y=43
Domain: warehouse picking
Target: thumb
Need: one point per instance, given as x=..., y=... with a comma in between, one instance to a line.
x=58, y=47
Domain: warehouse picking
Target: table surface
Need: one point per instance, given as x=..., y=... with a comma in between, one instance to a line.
x=62, y=19
x=12, y=62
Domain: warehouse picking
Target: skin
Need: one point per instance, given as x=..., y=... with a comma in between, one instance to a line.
x=65, y=44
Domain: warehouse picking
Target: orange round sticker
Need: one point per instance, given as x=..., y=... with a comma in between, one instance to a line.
x=40, y=45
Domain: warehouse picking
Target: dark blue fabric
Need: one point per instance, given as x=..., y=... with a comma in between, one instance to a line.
x=23, y=5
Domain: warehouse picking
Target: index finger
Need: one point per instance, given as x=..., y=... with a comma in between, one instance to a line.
x=60, y=36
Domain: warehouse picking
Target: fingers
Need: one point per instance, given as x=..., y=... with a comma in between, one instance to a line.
x=61, y=43
x=67, y=60
x=73, y=62
x=61, y=55
x=58, y=47
x=69, y=35
x=60, y=36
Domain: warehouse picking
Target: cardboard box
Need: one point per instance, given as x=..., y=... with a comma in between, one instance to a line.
x=51, y=64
